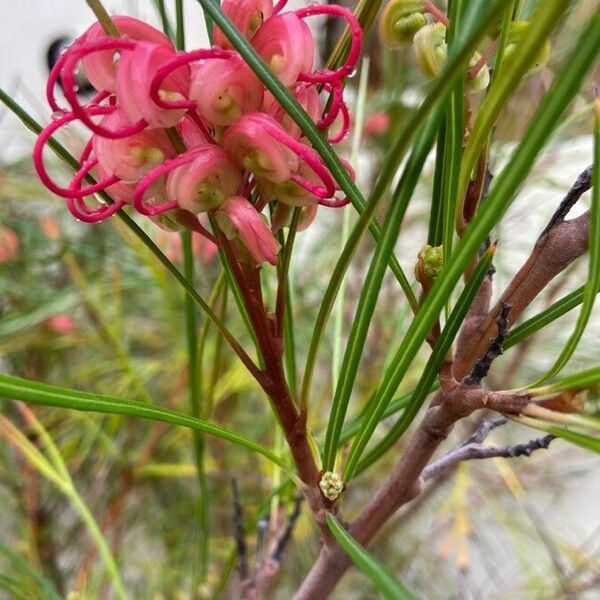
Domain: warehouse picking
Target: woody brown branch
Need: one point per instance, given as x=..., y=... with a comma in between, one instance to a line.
x=273, y=381
x=555, y=250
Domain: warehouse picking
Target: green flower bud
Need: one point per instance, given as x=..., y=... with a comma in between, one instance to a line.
x=430, y=49
x=516, y=33
x=429, y=265
x=400, y=21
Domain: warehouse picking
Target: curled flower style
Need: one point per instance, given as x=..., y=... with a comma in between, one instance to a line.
x=132, y=157
x=38, y=157
x=286, y=44
x=349, y=65
x=101, y=68
x=77, y=205
x=134, y=80
x=174, y=134
x=246, y=15
x=240, y=221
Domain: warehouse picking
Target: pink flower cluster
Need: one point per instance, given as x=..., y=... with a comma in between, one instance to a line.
x=175, y=134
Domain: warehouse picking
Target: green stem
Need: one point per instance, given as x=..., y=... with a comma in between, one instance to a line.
x=202, y=515
x=180, y=29
x=103, y=18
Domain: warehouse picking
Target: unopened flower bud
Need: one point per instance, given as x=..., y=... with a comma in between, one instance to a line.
x=286, y=44
x=429, y=264
x=246, y=15
x=101, y=67
x=132, y=157
x=240, y=221
x=400, y=22
x=430, y=49
x=517, y=31
x=206, y=182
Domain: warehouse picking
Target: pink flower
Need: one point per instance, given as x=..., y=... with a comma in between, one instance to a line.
x=239, y=220
x=308, y=98
x=135, y=73
x=225, y=89
x=62, y=324
x=9, y=244
x=253, y=149
x=206, y=182
x=246, y=15
x=174, y=134
x=101, y=67
x=192, y=132
x=130, y=158
x=286, y=44
x=289, y=192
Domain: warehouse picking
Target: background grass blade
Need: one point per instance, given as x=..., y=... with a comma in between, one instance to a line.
x=24, y=571
x=385, y=582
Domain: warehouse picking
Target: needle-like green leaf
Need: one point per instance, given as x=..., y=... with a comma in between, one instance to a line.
x=505, y=186
x=385, y=581
x=33, y=392
x=429, y=375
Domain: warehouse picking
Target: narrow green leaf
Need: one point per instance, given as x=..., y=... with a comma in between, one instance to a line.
x=371, y=288
x=164, y=19
x=454, y=138
x=543, y=21
x=384, y=580
x=477, y=27
x=587, y=442
x=577, y=381
x=547, y=316
x=429, y=375
x=506, y=184
x=40, y=393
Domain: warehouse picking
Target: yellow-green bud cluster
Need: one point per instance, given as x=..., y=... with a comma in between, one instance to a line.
x=331, y=485
x=429, y=264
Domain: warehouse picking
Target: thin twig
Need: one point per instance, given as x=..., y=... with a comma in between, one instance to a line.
x=286, y=535
x=581, y=185
x=475, y=451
